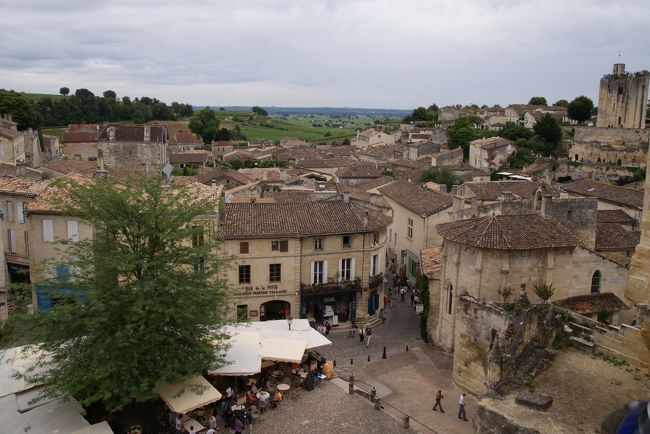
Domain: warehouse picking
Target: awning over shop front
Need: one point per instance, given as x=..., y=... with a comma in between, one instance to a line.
x=188, y=395
x=244, y=354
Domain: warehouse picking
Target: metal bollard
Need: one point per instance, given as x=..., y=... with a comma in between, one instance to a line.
x=352, y=361
x=335, y=363
x=351, y=384
x=377, y=404
x=406, y=421
x=368, y=357
x=407, y=348
x=383, y=356
x=373, y=395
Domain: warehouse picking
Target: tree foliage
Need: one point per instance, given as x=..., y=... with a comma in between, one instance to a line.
x=144, y=295
x=64, y=91
x=423, y=114
x=544, y=291
x=521, y=158
x=259, y=111
x=548, y=129
x=205, y=124
x=538, y=100
x=440, y=176
x=22, y=109
x=461, y=133
x=580, y=108
x=514, y=132
x=562, y=103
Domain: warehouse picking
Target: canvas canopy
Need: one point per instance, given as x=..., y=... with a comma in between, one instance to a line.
x=196, y=392
x=257, y=343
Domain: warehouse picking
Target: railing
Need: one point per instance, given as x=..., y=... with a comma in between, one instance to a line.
x=346, y=285
x=376, y=280
x=370, y=391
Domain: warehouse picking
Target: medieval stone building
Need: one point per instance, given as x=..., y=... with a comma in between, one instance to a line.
x=622, y=99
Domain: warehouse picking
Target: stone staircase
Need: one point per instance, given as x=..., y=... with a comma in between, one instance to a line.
x=620, y=342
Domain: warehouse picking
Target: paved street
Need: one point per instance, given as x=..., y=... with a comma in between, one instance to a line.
x=405, y=380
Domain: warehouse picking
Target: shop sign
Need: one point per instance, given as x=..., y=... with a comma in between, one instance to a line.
x=252, y=313
x=261, y=290
x=329, y=299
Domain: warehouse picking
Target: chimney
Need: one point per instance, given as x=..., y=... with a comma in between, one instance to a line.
x=546, y=204
x=365, y=219
x=222, y=207
x=9, y=117
x=111, y=134
x=147, y=133
x=346, y=197
x=214, y=184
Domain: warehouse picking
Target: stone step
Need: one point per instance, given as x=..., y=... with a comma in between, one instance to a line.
x=622, y=356
x=581, y=328
x=582, y=343
x=627, y=344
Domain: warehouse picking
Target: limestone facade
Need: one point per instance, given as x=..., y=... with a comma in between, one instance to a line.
x=609, y=145
x=622, y=99
x=638, y=288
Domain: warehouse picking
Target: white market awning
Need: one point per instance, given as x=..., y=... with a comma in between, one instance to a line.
x=283, y=350
x=196, y=392
x=244, y=356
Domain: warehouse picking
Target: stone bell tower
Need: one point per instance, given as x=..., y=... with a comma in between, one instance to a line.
x=622, y=99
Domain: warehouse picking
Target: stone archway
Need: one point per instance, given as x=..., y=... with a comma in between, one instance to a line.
x=275, y=309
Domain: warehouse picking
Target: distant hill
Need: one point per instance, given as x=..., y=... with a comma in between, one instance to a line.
x=332, y=111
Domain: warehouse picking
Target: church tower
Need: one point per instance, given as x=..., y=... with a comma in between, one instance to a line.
x=622, y=99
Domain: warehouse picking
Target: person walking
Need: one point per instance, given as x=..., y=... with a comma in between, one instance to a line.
x=368, y=336
x=412, y=297
x=361, y=333
x=353, y=330
x=461, y=407
x=438, y=402
x=239, y=425
x=402, y=292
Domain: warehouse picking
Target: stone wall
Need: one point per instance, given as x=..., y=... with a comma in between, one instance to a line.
x=491, y=343
x=8, y=169
x=451, y=157
x=145, y=157
x=609, y=145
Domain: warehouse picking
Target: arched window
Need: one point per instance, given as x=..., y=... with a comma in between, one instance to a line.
x=595, y=282
x=450, y=297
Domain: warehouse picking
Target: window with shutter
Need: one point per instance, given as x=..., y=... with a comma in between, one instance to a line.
x=243, y=247
x=48, y=231
x=9, y=211
x=11, y=238
x=73, y=231
x=284, y=246
x=21, y=212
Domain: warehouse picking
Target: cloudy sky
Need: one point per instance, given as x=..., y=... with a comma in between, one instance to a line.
x=354, y=53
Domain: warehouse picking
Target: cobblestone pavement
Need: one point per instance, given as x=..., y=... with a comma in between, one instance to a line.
x=405, y=381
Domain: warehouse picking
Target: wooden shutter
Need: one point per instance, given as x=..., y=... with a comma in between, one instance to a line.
x=325, y=272
x=352, y=269
x=243, y=247
x=48, y=231
x=311, y=273
x=340, y=278
x=73, y=231
x=284, y=246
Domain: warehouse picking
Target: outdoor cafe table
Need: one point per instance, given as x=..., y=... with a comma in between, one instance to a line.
x=187, y=423
x=263, y=396
x=283, y=387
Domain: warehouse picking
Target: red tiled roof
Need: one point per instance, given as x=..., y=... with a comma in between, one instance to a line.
x=358, y=171
x=187, y=139
x=69, y=166
x=614, y=216
x=298, y=219
x=592, y=303
x=54, y=198
x=613, y=236
x=629, y=197
x=491, y=142
x=509, y=232
x=198, y=157
x=417, y=198
x=431, y=261
x=18, y=186
x=493, y=190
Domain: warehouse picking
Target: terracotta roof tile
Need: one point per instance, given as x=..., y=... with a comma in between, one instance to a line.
x=509, y=232
x=358, y=171
x=183, y=138
x=491, y=142
x=592, y=303
x=220, y=173
x=613, y=236
x=493, y=190
x=297, y=219
x=54, y=198
x=614, y=216
x=70, y=166
x=198, y=156
x=431, y=261
x=417, y=198
x=18, y=186
x=611, y=193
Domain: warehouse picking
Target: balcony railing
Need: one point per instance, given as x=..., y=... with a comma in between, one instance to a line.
x=345, y=285
x=376, y=280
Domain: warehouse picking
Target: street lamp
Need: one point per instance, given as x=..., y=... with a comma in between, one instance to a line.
x=289, y=321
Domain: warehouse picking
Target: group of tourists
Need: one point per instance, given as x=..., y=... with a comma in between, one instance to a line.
x=365, y=333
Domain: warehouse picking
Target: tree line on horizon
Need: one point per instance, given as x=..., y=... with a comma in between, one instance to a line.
x=83, y=106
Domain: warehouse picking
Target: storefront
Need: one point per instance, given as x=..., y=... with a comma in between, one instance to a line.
x=335, y=306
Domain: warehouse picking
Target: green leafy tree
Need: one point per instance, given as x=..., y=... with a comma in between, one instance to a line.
x=22, y=109
x=205, y=124
x=83, y=92
x=580, y=108
x=544, y=291
x=440, y=176
x=346, y=142
x=548, y=129
x=259, y=111
x=521, y=158
x=460, y=134
x=514, y=132
x=64, y=91
x=110, y=95
x=538, y=100
x=143, y=297
x=562, y=103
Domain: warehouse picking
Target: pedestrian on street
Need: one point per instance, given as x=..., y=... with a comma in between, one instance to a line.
x=353, y=330
x=402, y=291
x=438, y=402
x=382, y=317
x=412, y=298
x=368, y=336
x=461, y=407
x=360, y=335
x=239, y=426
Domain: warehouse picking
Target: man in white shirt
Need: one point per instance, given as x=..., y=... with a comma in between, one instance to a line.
x=211, y=431
x=461, y=407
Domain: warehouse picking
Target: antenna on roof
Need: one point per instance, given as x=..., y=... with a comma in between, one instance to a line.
x=619, y=57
